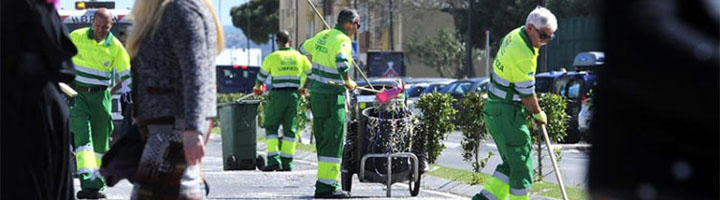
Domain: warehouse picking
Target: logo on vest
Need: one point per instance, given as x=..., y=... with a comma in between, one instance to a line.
x=106, y=63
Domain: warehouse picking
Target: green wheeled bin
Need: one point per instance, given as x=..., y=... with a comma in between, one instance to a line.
x=238, y=125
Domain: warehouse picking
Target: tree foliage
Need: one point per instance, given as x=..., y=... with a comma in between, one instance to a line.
x=500, y=17
x=436, y=123
x=264, y=19
x=473, y=128
x=444, y=52
x=554, y=106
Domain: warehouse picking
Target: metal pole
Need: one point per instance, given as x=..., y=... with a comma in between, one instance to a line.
x=392, y=32
x=468, y=42
x=543, y=51
x=247, y=37
x=297, y=3
x=487, y=53
x=356, y=34
x=220, y=10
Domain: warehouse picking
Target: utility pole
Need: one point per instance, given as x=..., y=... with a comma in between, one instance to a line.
x=487, y=53
x=356, y=34
x=220, y=10
x=392, y=32
x=297, y=4
x=247, y=37
x=544, y=50
x=468, y=42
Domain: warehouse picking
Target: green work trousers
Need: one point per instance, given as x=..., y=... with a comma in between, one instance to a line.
x=506, y=123
x=281, y=109
x=91, y=122
x=329, y=128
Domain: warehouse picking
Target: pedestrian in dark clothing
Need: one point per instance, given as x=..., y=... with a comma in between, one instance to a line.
x=34, y=132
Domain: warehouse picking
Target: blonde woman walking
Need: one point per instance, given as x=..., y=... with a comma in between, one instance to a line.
x=173, y=45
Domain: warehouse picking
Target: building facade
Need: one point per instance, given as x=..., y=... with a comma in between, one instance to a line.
x=384, y=25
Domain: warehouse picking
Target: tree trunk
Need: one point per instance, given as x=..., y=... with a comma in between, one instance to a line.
x=477, y=152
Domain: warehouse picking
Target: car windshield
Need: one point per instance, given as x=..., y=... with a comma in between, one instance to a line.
x=543, y=84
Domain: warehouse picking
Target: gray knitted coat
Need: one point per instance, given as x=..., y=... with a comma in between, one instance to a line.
x=174, y=70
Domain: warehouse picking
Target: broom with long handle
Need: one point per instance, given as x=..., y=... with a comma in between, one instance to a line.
x=554, y=163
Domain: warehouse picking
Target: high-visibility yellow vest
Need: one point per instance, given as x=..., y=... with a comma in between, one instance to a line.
x=95, y=61
x=513, y=72
x=286, y=67
x=331, y=52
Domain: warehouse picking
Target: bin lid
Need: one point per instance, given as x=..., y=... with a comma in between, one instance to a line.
x=243, y=102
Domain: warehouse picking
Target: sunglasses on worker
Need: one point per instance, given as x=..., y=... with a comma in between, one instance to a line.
x=542, y=35
x=357, y=23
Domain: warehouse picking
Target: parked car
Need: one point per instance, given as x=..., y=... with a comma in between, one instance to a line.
x=585, y=116
x=575, y=87
x=415, y=90
x=459, y=89
x=435, y=87
x=429, y=85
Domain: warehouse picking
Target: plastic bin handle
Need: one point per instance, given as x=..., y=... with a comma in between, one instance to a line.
x=244, y=97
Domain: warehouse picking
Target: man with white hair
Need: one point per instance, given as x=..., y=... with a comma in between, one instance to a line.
x=512, y=93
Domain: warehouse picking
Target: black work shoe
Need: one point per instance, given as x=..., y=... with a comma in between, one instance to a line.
x=90, y=194
x=285, y=169
x=337, y=194
x=270, y=168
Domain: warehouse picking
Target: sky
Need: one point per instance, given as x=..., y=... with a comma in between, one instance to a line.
x=223, y=14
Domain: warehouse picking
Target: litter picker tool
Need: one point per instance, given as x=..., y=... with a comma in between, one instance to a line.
x=328, y=27
x=554, y=163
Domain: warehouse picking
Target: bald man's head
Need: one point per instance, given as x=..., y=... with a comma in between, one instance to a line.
x=102, y=22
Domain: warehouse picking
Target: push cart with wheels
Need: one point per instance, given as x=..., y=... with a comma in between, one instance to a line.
x=379, y=150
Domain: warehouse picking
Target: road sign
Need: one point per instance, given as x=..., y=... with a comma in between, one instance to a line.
x=386, y=64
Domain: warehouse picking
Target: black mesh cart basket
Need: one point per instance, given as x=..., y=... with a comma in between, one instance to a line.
x=378, y=149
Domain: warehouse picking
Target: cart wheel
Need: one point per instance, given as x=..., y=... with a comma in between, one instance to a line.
x=414, y=187
x=260, y=162
x=346, y=181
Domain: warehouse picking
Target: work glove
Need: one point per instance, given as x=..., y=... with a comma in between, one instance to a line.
x=302, y=91
x=540, y=118
x=258, y=90
x=350, y=84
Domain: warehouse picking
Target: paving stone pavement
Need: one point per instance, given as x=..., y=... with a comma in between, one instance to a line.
x=298, y=184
